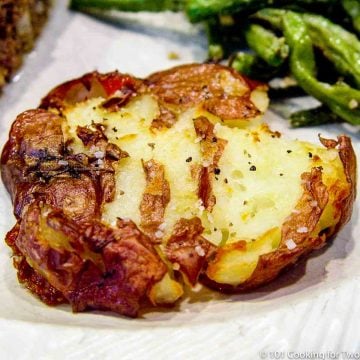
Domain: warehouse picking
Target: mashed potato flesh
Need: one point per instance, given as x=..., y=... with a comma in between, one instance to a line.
x=258, y=181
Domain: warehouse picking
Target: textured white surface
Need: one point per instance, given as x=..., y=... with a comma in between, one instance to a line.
x=315, y=307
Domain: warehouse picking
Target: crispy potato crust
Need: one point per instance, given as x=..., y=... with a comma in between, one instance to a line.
x=211, y=148
x=187, y=248
x=155, y=199
x=90, y=86
x=188, y=85
x=92, y=265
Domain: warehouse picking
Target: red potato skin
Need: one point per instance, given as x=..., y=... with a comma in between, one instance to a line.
x=188, y=248
x=192, y=84
x=90, y=86
x=34, y=173
x=113, y=268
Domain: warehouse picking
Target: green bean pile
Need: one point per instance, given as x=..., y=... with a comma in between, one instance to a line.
x=315, y=42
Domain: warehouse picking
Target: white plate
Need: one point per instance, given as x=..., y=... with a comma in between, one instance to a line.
x=312, y=308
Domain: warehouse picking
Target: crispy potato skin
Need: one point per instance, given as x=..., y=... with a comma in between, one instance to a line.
x=187, y=248
x=212, y=149
x=95, y=267
x=90, y=86
x=64, y=253
x=89, y=265
x=348, y=158
x=155, y=199
x=192, y=84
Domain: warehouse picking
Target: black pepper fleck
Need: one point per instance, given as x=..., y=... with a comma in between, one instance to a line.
x=217, y=171
x=253, y=168
x=189, y=159
x=114, y=129
x=288, y=151
x=226, y=180
x=310, y=155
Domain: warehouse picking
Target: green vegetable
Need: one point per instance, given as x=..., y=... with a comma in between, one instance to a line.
x=339, y=46
x=216, y=50
x=199, y=10
x=272, y=16
x=129, y=5
x=352, y=8
x=340, y=98
x=267, y=45
x=253, y=66
x=313, y=117
x=243, y=63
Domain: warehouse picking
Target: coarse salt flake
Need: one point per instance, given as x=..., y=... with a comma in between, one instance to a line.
x=290, y=244
x=99, y=154
x=314, y=203
x=63, y=162
x=216, y=127
x=162, y=226
x=302, y=230
x=198, y=203
x=159, y=234
x=118, y=93
x=199, y=250
x=176, y=266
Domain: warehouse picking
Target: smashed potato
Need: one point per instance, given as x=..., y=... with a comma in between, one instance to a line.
x=126, y=191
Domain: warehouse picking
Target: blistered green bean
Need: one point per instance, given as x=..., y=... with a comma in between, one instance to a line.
x=267, y=45
x=340, y=98
x=313, y=117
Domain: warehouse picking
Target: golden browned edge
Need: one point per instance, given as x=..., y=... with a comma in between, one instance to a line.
x=270, y=265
